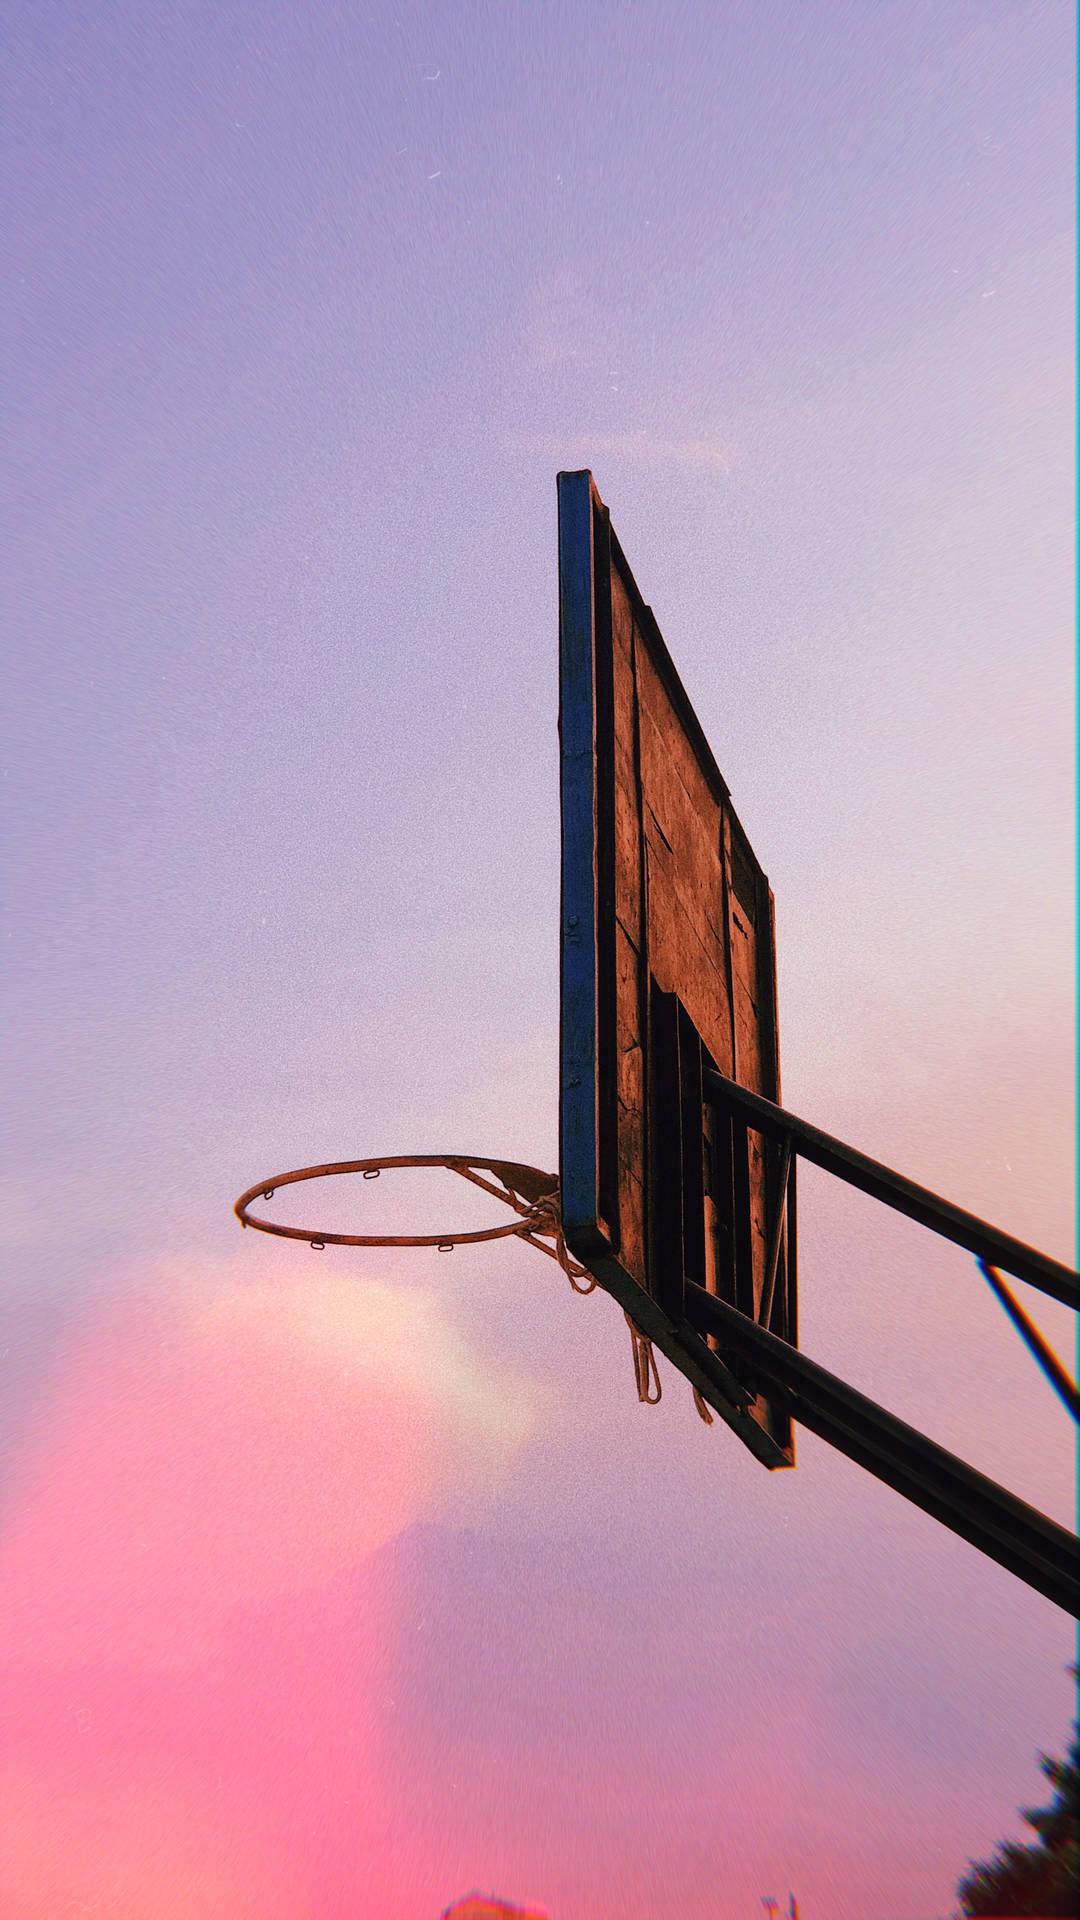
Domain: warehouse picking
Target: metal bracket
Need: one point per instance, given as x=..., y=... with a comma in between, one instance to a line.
x=1041, y=1553
x=1017, y=1536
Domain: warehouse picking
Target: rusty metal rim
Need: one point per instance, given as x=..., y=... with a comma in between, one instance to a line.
x=532, y=1219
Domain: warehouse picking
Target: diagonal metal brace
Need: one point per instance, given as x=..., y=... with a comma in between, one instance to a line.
x=871, y=1176
x=1005, y=1528
x=1033, y=1340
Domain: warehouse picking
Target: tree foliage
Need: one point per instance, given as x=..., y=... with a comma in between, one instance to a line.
x=1043, y=1879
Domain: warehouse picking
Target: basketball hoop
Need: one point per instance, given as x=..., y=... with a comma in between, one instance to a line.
x=533, y=1195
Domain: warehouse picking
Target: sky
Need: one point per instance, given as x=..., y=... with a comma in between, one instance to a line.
x=333, y=1585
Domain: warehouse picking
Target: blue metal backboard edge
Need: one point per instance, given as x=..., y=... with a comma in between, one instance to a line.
x=578, y=1131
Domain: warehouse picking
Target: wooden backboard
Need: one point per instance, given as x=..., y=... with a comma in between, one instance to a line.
x=668, y=964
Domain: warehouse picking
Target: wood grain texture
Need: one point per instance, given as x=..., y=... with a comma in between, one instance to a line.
x=680, y=904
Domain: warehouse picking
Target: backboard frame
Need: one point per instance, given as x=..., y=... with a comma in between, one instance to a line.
x=641, y=1248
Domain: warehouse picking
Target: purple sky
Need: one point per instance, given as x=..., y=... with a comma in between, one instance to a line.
x=374, y=1581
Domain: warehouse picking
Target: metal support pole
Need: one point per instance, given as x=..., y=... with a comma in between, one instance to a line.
x=981, y=1239
x=1009, y=1531
x=1033, y=1340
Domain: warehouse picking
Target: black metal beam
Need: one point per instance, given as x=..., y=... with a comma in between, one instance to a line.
x=1033, y=1340
x=986, y=1242
x=1005, y=1528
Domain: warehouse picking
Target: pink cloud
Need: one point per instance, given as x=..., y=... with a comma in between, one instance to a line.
x=192, y=1683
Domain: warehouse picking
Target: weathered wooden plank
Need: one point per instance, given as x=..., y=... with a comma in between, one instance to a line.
x=679, y=956
x=678, y=901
